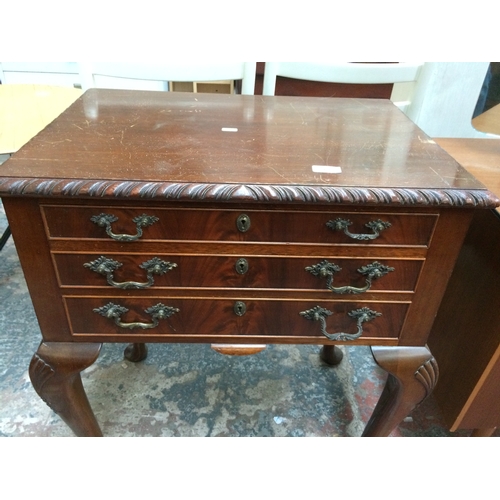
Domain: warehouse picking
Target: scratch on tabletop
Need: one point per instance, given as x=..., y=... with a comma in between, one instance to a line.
x=363, y=103
x=324, y=162
x=301, y=117
x=426, y=140
x=280, y=175
x=440, y=176
x=55, y=142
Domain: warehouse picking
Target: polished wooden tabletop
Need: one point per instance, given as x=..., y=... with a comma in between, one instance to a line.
x=26, y=109
x=241, y=147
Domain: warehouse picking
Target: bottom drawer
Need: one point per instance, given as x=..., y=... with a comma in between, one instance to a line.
x=109, y=316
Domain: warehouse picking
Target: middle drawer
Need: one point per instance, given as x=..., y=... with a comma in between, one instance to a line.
x=341, y=275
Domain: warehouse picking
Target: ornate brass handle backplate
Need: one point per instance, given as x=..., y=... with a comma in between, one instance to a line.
x=361, y=316
x=105, y=220
x=157, y=312
x=107, y=267
x=325, y=269
x=377, y=226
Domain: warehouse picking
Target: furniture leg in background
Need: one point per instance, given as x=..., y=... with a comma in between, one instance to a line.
x=5, y=237
x=136, y=352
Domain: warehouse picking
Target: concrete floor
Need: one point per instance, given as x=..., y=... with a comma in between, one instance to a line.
x=190, y=390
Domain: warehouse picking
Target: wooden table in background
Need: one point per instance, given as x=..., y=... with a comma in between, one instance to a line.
x=481, y=157
x=26, y=109
x=489, y=121
x=226, y=219
x=466, y=335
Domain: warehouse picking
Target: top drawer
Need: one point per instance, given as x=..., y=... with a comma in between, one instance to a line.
x=156, y=223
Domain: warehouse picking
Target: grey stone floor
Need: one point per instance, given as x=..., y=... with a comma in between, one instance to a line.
x=190, y=390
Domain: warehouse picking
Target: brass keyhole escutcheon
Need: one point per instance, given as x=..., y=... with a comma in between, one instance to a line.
x=243, y=223
x=240, y=308
x=241, y=266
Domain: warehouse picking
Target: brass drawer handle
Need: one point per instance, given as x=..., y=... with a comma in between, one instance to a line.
x=157, y=312
x=107, y=267
x=362, y=315
x=105, y=220
x=325, y=269
x=377, y=226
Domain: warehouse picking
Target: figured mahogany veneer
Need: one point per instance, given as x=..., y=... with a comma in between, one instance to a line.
x=263, y=272
x=269, y=320
x=251, y=209
x=272, y=225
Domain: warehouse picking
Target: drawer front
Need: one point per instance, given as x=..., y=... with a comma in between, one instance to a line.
x=339, y=274
x=225, y=317
x=154, y=223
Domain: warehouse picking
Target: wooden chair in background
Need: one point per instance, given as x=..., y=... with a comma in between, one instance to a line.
x=439, y=97
x=351, y=73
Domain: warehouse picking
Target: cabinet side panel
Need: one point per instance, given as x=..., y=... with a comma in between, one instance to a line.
x=28, y=232
x=446, y=242
x=466, y=334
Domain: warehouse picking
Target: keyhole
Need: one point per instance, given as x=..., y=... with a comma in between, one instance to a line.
x=243, y=223
x=240, y=308
x=241, y=266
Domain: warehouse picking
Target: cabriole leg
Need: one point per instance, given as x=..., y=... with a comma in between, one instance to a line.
x=413, y=373
x=136, y=352
x=331, y=354
x=55, y=374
